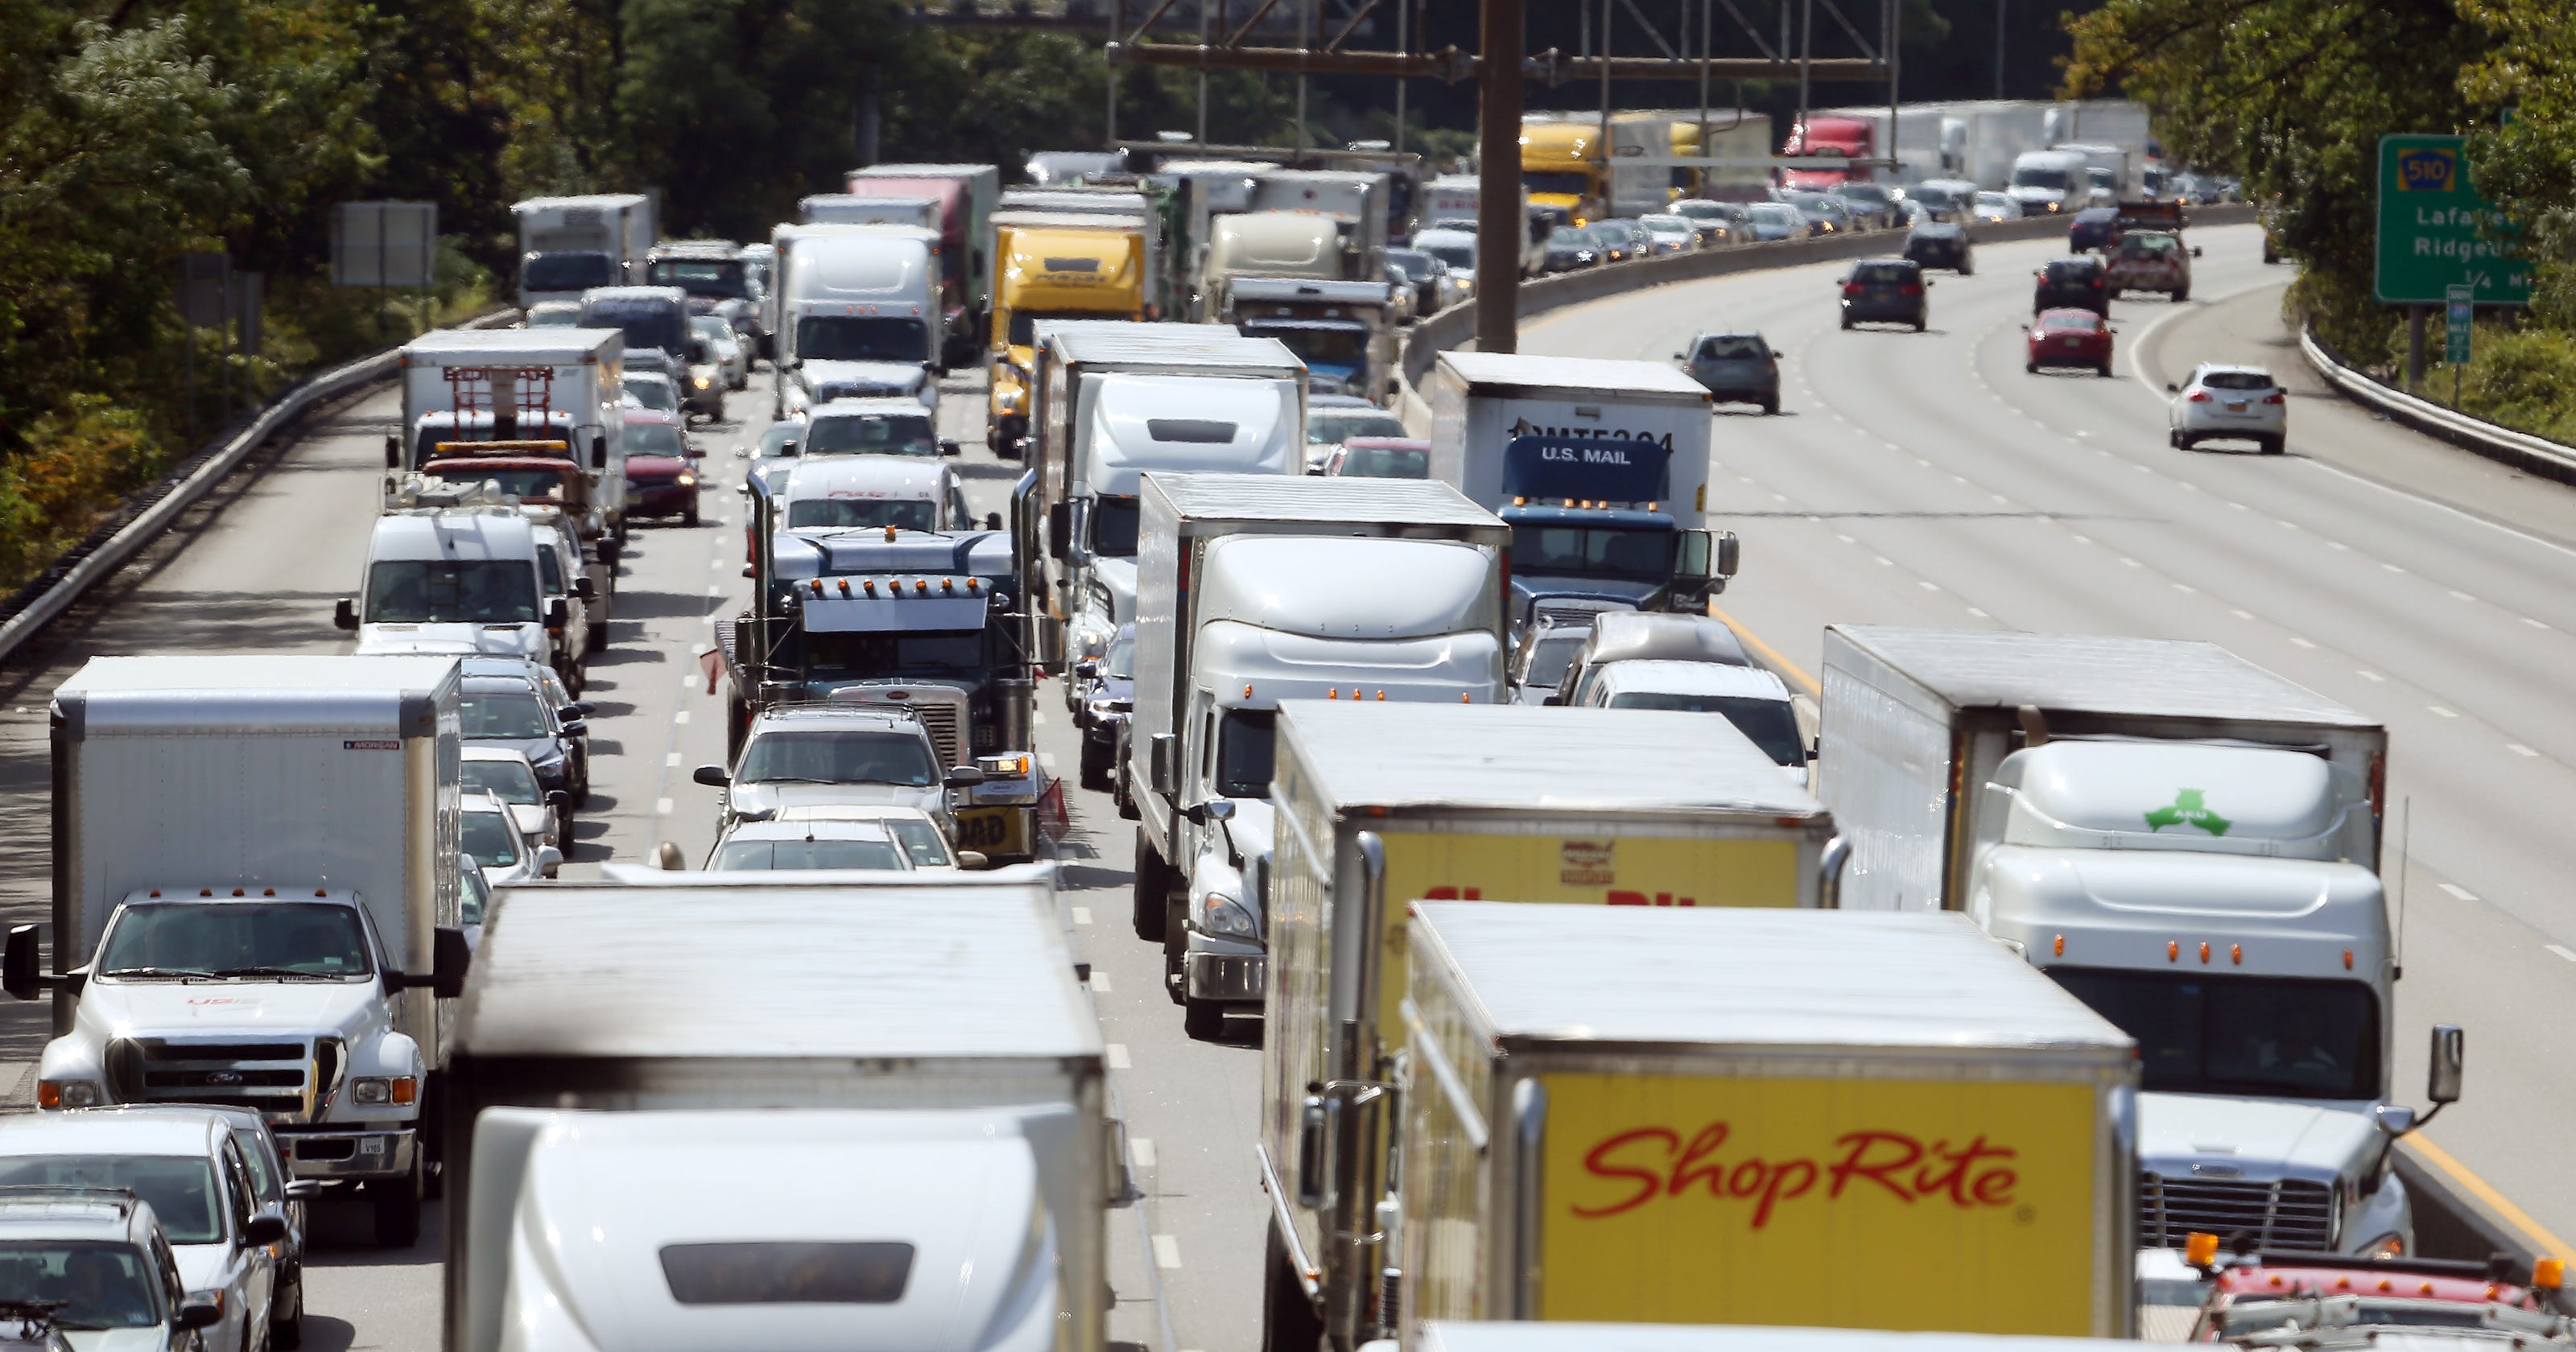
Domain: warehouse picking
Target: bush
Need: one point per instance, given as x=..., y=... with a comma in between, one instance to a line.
x=79, y=461
x=2522, y=378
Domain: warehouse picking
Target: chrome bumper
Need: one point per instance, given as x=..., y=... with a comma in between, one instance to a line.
x=348, y=1154
x=1224, y=976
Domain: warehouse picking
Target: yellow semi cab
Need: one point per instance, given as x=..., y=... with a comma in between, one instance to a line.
x=1053, y=265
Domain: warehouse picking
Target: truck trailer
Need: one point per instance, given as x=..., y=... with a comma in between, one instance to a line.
x=567, y=245
x=552, y=391
x=967, y=194
x=1054, y=265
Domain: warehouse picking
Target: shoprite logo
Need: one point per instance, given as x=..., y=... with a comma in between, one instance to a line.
x=2187, y=809
x=1651, y=1163
x=2428, y=169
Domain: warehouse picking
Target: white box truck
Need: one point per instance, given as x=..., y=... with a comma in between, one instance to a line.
x=2190, y=844
x=256, y=874
x=1752, y=1116
x=1250, y=590
x=567, y=245
x=840, y=208
x=1374, y=806
x=853, y=303
x=552, y=391
x=1600, y=467
x=804, y=1110
x=1982, y=140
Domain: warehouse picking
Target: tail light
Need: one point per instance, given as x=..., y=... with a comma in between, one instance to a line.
x=1851, y=288
x=1912, y=289
x=2199, y=396
x=2275, y=397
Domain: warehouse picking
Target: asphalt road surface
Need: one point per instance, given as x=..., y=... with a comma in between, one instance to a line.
x=1916, y=479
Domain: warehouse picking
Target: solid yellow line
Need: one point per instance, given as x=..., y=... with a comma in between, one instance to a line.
x=1769, y=654
x=2543, y=1240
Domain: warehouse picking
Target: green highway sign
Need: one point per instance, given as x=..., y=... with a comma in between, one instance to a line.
x=2433, y=229
x=2459, y=308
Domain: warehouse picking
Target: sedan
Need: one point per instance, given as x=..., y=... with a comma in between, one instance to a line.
x=543, y=815
x=1941, y=244
x=1778, y=220
x=1380, y=458
x=1995, y=206
x=1736, y=367
x=1886, y=291
x=653, y=390
x=2222, y=403
x=1671, y=234
x=1620, y=240
x=2069, y=337
x=2079, y=282
x=1872, y=206
x=732, y=355
x=2093, y=228
x=491, y=835
x=1570, y=249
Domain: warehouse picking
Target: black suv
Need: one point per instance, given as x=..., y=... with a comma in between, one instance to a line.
x=1941, y=244
x=1886, y=291
x=2072, y=284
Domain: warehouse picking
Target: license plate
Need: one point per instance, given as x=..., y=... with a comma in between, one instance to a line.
x=2070, y=342
x=2235, y=406
x=993, y=830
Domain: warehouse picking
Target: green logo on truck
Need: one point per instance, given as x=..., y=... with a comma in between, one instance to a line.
x=2187, y=809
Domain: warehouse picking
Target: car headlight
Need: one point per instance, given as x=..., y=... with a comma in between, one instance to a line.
x=1221, y=914
x=688, y=481
x=69, y=1094
x=704, y=381
x=377, y=1093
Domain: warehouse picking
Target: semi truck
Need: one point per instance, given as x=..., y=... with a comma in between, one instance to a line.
x=967, y=195
x=256, y=893
x=567, y=245
x=1251, y=590
x=851, y=302
x=1052, y=265
x=1983, y=139
x=1721, y=1116
x=1345, y=332
x=2190, y=844
x=552, y=391
x=1563, y=164
x=1374, y=806
x=1600, y=467
x=903, y=1140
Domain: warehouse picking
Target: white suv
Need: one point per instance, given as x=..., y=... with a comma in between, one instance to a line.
x=2221, y=403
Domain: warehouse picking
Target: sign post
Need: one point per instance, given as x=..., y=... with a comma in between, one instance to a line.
x=2460, y=310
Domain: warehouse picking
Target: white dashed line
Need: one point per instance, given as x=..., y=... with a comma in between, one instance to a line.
x=1082, y=915
x=661, y=807
x=1100, y=982
x=2242, y=614
x=1847, y=539
x=2370, y=676
x=2240, y=506
x=680, y=717
x=672, y=759
x=1115, y=1054
x=1884, y=561
x=2130, y=562
x=1928, y=586
x=715, y=592
x=2459, y=595
x=2519, y=749
x=2562, y=951
x=1046, y=761
x=1167, y=1253
x=2392, y=567
x=1979, y=613
x=2458, y=893
x=2536, y=624
x=2442, y=711
x=2301, y=642
x=1140, y=1152
x=1038, y=717
x=2083, y=539
x=2186, y=589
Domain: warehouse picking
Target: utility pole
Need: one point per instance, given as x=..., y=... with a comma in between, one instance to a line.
x=1498, y=174
x=1806, y=62
x=1999, y=48
x=1403, y=43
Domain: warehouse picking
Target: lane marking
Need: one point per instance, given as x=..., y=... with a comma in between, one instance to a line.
x=1979, y=613
x=2241, y=614
x=1082, y=915
x=2539, y=1238
x=1928, y=586
x=680, y=717
x=2442, y=711
x=2562, y=951
x=1167, y=1253
x=672, y=760
x=717, y=592
x=1767, y=652
x=2370, y=676
x=1140, y=1152
x=1046, y=761
x=2301, y=642
x=2519, y=749
x=2392, y=567
x=1115, y=1053
x=2458, y=893
x=661, y=807
x=2459, y=595
x=2536, y=624
x=1100, y=982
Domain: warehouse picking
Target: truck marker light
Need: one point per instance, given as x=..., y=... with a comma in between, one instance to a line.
x=154, y=892
x=2347, y=959
x=2236, y=954
x=1331, y=693
x=1247, y=690
x=2426, y=1289
x=2173, y=951
x=2547, y=1274
x=818, y=586
x=1462, y=697
x=268, y=891
x=321, y=891
x=2204, y=950
x=921, y=585
x=948, y=584
x=845, y=586
x=2200, y=1249
x=205, y=891
x=1381, y=697
x=2384, y=1286
x=2060, y=947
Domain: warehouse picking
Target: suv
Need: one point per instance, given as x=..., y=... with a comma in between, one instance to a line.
x=91, y=1260
x=1752, y=699
x=1635, y=636
x=2150, y=260
x=835, y=753
x=185, y=1163
x=1736, y=367
x=2221, y=403
x=1886, y=291
x=2071, y=284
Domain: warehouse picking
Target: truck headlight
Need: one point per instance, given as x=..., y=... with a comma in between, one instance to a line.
x=69, y=1094
x=1220, y=914
x=2386, y=1247
x=397, y=1090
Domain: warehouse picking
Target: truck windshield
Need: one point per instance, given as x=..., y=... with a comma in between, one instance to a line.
x=568, y=271
x=1459, y=257
x=699, y=276
x=1113, y=527
x=451, y=591
x=1244, y=748
x=181, y=1188
x=1594, y=550
x=270, y=939
x=838, y=757
x=843, y=657
x=861, y=338
x=901, y=434
x=98, y=1285
x=744, y=856
x=862, y=512
x=1024, y=323
x=662, y=324
x=502, y=715
x=1768, y=722
x=518, y=483
x=2052, y=179
x=1551, y=654
x=1564, y=183
x=2246, y=1035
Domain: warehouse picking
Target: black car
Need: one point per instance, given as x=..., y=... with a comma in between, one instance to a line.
x=2093, y=228
x=1570, y=249
x=1941, y=244
x=1737, y=368
x=2072, y=284
x=1886, y=291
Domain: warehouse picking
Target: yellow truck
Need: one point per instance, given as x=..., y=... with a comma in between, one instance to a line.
x=1766, y=1117
x=1053, y=265
x=1380, y=804
x=1562, y=164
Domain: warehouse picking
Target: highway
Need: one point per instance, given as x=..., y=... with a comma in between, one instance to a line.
x=1909, y=479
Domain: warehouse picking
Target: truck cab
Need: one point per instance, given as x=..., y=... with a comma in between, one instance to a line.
x=2048, y=182
x=1053, y=266
x=1344, y=331
x=451, y=570
x=711, y=273
x=861, y=294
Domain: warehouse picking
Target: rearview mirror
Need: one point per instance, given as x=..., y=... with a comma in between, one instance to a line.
x=586, y=589
x=2442, y=1077
x=345, y=614
x=197, y=1312
x=558, y=612
x=964, y=776
x=20, y=972
x=576, y=728
x=947, y=447
x=973, y=859
x=549, y=860
x=2172, y=388
x=1162, y=763
x=599, y=450
x=713, y=776
x=992, y=520
x=557, y=798
x=1088, y=668
x=264, y=1229
x=393, y=452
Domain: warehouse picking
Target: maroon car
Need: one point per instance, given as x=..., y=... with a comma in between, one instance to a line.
x=661, y=468
x=2069, y=338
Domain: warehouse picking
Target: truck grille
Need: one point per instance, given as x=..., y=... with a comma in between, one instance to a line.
x=942, y=720
x=273, y=1078
x=2283, y=1214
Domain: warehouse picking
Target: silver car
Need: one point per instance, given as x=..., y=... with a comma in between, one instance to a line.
x=491, y=835
x=823, y=754
x=732, y=355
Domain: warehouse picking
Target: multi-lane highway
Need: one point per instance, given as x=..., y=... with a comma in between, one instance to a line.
x=1919, y=479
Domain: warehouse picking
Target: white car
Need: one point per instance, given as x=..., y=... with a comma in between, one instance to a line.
x=1672, y=234
x=492, y=836
x=652, y=389
x=1751, y=698
x=2229, y=403
x=913, y=829
x=802, y=846
x=505, y=773
x=185, y=1163
x=732, y=356
x=1996, y=206
x=99, y=1259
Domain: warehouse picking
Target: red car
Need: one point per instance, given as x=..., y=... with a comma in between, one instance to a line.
x=2069, y=338
x=661, y=467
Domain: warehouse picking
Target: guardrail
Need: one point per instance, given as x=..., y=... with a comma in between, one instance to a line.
x=2523, y=451
x=151, y=510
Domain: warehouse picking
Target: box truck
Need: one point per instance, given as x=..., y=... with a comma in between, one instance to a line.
x=1444, y=1335
x=1374, y=806
x=567, y=245
x=256, y=903
x=552, y=391
x=2190, y=844
x=967, y=195
x=854, y=304
x=1054, y=265
x=1748, y=1116
x=760, y=1086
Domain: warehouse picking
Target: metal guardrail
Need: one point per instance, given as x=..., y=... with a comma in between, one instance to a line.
x=2523, y=451
x=151, y=510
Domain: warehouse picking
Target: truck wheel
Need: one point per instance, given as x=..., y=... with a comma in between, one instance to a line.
x=1288, y=1319
x=1153, y=889
x=1202, y=1019
x=397, y=1210
x=286, y=1311
x=1176, y=949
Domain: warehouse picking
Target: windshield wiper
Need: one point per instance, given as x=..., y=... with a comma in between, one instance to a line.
x=156, y=973
x=286, y=973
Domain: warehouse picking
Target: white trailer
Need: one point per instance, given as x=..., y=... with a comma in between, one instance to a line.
x=1355, y=202
x=283, y=832
x=840, y=208
x=886, y=1086
x=1981, y=139
x=851, y=301
x=568, y=245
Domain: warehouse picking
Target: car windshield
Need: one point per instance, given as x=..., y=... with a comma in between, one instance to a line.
x=2236, y=380
x=1733, y=347
x=699, y=276
x=1562, y=183
x=1333, y=426
x=849, y=656
x=1120, y=660
x=1413, y=263
x=654, y=439
x=2053, y=179
x=1550, y=654
x=96, y=1284
x=861, y=338
x=749, y=856
x=1024, y=323
x=1540, y=549
x=1863, y=192
x=518, y=483
x=1668, y=225
x=1461, y=256
x=258, y=1156
x=2250, y=1036
x=1244, y=749
x=2146, y=246
x=506, y=715
x=567, y=271
x=1996, y=201
x=711, y=328
x=1768, y=722
x=1114, y=523
x=1774, y=213
x=1337, y=347
x=252, y=938
x=1386, y=462
x=659, y=324
x=451, y=591
x=1567, y=237
x=179, y=1188
x=652, y=392
x=1935, y=197
x=775, y=438
x=511, y=781
x=487, y=838
x=896, y=434
x=852, y=513
x=921, y=841
x=470, y=897
x=2071, y=270
x=837, y=757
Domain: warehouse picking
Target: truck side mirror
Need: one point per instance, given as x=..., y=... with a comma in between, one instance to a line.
x=2442, y=1078
x=197, y=1312
x=345, y=613
x=20, y=973
x=449, y=957
x=557, y=797
x=947, y=447
x=786, y=450
x=713, y=776
x=558, y=612
x=393, y=452
x=599, y=450
x=992, y=520
x=585, y=589
x=1318, y=1121
x=264, y=1229
x=1730, y=553
x=1059, y=527
x=1163, y=763
x=964, y=776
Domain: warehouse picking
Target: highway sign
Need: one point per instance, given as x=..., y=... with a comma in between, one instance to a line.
x=2459, y=309
x=2436, y=232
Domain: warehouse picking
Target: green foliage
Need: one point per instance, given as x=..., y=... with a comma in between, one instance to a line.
x=2522, y=377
